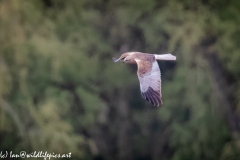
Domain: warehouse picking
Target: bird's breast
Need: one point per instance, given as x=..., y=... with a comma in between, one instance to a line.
x=132, y=61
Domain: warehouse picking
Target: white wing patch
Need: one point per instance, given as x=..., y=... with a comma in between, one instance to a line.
x=150, y=83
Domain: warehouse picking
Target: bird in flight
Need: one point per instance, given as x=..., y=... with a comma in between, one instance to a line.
x=149, y=74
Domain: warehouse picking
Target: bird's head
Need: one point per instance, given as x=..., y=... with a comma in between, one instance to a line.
x=125, y=57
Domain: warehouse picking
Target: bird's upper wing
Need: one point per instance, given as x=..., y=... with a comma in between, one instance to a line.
x=149, y=76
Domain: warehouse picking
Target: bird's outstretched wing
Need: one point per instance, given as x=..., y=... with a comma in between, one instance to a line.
x=149, y=76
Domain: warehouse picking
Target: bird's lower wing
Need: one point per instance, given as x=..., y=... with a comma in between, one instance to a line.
x=150, y=81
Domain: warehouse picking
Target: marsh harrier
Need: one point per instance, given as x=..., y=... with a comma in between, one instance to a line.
x=149, y=74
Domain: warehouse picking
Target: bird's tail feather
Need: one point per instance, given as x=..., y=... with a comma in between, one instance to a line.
x=165, y=57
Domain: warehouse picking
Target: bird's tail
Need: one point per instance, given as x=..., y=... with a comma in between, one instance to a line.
x=165, y=57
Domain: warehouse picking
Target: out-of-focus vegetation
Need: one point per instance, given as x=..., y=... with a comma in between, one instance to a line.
x=60, y=92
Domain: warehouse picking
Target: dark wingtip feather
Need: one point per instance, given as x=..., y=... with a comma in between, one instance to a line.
x=152, y=97
x=143, y=95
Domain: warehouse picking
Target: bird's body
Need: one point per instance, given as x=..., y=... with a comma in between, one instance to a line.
x=148, y=73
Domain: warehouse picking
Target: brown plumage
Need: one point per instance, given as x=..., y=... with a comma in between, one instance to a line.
x=148, y=73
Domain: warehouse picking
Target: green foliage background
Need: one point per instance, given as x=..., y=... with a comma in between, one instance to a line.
x=60, y=91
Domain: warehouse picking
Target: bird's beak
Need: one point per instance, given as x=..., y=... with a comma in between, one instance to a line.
x=115, y=59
